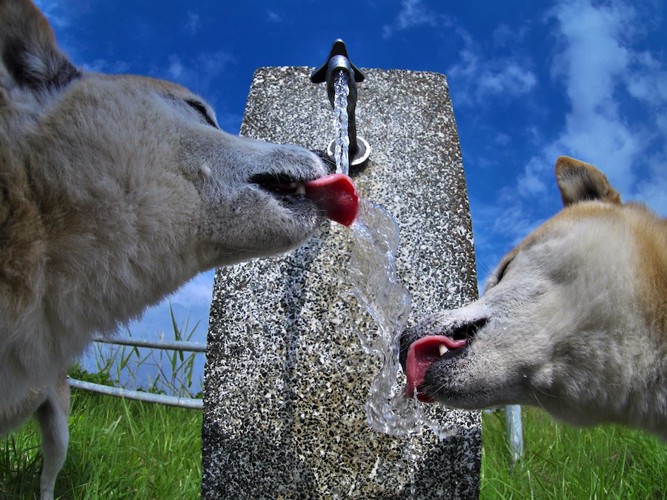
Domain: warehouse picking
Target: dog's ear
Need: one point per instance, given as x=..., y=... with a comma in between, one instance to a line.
x=579, y=181
x=30, y=57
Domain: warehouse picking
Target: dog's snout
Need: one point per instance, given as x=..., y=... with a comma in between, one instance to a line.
x=437, y=325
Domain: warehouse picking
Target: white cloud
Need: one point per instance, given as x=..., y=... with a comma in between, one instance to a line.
x=653, y=190
x=199, y=72
x=273, y=16
x=592, y=56
x=475, y=79
x=592, y=63
x=505, y=36
x=603, y=75
x=196, y=292
x=176, y=68
x=106, y=66
x=510, y=79
x=504, y=217
x=53, y=11
x=412, y=14
x=649, y=82
x=193, y=23
x=614, y=117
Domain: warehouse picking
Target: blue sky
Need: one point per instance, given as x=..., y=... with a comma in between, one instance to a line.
x=530, y=81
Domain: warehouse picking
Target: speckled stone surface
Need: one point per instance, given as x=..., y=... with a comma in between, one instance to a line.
x=286, y=379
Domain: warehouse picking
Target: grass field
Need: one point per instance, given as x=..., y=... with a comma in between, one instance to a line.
x=127, y=449
x=118, y=449
x=561, y=461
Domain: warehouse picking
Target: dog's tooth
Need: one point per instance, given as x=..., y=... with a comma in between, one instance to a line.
x=301, y=190
x=442, y=349
x=205, y=170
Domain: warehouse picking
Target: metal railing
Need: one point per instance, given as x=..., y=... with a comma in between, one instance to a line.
x=147, y=397
x=512, y=412
x=514, y=431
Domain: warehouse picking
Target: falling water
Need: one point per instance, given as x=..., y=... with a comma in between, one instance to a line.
x=374, y=282
x=341, y=138
x=372, y=276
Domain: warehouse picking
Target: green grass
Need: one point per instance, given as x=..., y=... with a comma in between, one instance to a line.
x=128, y=449
x=561, y=461
x=118, y=449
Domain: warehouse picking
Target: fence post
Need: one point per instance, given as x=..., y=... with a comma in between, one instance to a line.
x=514, y=431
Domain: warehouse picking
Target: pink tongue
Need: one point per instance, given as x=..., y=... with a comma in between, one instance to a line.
x=336, y=195
x=421, y=355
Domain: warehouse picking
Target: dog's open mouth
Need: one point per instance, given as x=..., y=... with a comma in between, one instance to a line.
x=280, y=185
x=427, y=350
x=334, y=194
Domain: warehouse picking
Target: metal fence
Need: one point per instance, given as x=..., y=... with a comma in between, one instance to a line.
x=514, y=431
x=147, y=397
x=512, y=412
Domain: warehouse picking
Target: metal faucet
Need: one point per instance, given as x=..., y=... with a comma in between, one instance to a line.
x=338, y=60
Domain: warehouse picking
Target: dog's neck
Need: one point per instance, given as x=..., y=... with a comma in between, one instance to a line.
x=629, y=396
x=139, y=247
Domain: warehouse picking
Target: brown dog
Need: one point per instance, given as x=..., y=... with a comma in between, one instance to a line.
x=573, y=320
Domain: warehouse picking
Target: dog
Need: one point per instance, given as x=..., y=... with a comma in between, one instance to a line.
x=114, y=191
x=573, y=320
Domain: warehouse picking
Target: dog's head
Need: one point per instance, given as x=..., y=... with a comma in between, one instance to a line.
x=551, y=328
x=148, y=149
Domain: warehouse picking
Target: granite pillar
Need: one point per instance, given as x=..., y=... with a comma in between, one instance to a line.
x=286, y=378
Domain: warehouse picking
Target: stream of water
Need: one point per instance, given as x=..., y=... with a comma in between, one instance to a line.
x=374, y=283
x=371, y=274
x=341, y=137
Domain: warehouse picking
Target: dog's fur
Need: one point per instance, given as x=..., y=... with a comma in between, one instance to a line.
x=573, y=320
x=114, y=191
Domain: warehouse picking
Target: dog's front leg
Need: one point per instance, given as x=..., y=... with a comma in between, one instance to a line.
x=52, y=416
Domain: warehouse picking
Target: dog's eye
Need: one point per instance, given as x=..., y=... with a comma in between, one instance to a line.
x=498, y=275
x=503, y=269
x=201, y=109
x=495, y=278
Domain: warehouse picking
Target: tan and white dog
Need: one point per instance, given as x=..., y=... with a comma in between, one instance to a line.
x=114, y=191
x=573, y=320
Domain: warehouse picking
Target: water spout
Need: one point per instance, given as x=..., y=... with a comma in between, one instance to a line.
x=337, y=71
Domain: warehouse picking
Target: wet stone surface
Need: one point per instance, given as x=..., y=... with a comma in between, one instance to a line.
x=286, y=379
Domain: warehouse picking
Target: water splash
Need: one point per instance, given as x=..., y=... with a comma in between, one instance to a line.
x=341, y=137
x=378, y=290
x=375, y=284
